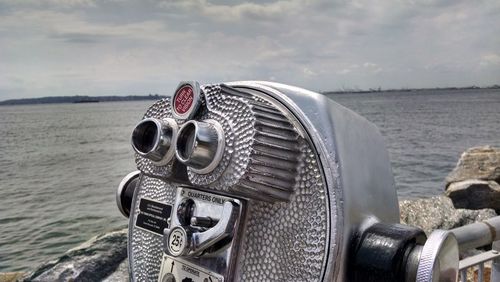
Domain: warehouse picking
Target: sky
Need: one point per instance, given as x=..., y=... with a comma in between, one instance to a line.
x=113, y=47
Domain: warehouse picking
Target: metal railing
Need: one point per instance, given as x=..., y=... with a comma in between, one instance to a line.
x=476, y=263
x=477, y=235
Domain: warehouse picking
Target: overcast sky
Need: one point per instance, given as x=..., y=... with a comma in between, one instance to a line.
x=113, y=47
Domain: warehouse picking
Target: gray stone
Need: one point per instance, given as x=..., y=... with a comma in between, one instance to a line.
x=94, y=260
x=475, y=194
x=438, y=213
x=481, y=163
x=120, y=274
x=473, y=184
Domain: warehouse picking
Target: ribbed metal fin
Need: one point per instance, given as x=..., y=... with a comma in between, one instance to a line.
x=274, y=159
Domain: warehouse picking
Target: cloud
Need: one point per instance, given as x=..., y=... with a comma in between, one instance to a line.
x=100, y=47
x=490, y=60
x=237, y=12
x=308, y=72
x=80, y=38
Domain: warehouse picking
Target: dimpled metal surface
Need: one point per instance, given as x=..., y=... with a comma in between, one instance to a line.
x=160, y=110
x=226, y=110
x=145, y=248
x=287, y=241
x=260, y=160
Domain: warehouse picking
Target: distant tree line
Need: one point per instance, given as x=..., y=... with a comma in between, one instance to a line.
x=80, y=99
x=379, y=89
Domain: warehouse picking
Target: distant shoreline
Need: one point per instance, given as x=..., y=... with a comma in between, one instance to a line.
x=84, y=99
x=78, y=99
x=379, y=90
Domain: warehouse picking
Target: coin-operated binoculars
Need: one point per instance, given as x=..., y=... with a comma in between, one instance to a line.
x=259, y=181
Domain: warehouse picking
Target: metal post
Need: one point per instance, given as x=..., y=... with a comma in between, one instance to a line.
x=463, y=275
x=478, y=234
x=495, y=265
x=480, y=273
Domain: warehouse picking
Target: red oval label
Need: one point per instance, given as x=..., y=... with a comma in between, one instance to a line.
x=183, y=99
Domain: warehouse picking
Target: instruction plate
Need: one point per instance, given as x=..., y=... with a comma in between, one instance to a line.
x=153, y=216
x=180, y=271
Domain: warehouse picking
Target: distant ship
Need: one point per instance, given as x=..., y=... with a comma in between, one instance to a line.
x=86, y=101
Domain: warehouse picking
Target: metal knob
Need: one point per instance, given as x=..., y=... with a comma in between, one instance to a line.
x=203, y=221
x=125, y=192
x=439, y=258
x=185, y=211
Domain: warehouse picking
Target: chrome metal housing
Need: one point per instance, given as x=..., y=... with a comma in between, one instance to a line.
x=310, y=172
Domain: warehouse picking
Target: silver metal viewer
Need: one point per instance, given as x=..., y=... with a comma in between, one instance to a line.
x=260, y=181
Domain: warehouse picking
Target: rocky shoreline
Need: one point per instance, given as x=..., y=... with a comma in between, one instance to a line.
x=472, y=194
x=102, y=258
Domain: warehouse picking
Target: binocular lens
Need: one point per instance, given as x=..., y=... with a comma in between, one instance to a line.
x=185, y=145
x=145, y=136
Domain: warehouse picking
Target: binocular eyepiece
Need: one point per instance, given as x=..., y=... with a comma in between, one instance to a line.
x=198, y=145
x=254, y=181
x=155, y=139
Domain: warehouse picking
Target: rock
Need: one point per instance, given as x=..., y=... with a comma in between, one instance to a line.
x=120, y=274
x=473, y=184
x=10, y=276
x=94, y=260
x=438, y=213
x=475, y=194
x=482, y=163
